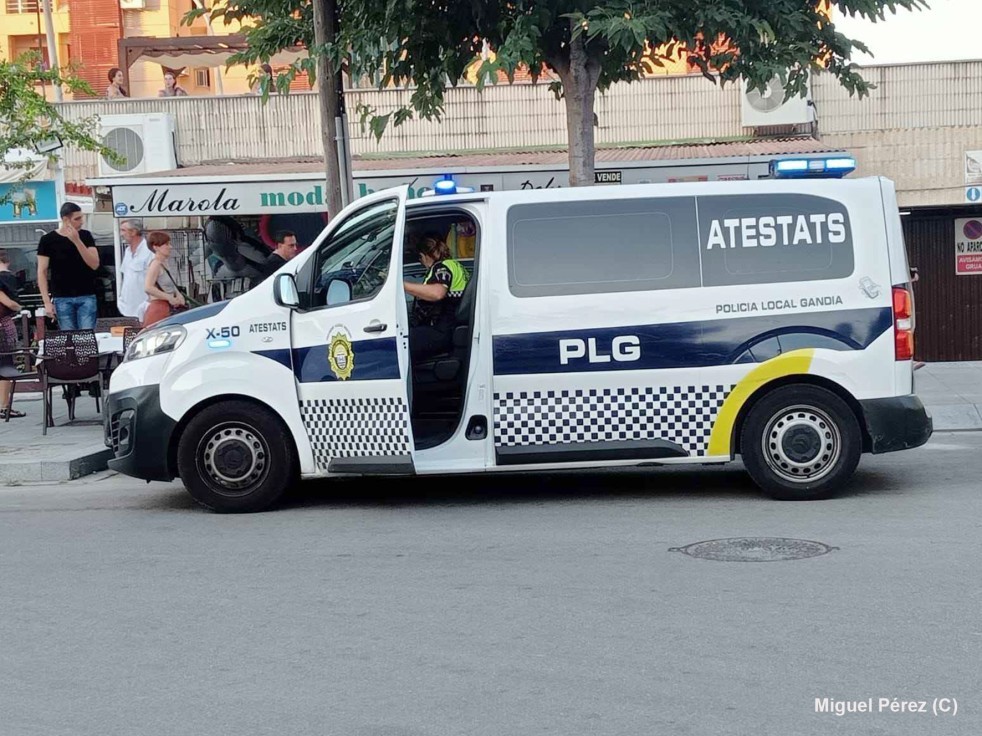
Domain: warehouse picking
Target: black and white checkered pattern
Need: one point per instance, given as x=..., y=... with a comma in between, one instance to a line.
x=356, y=427
x=680, y=414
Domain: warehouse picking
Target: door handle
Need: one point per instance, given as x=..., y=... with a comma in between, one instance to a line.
x=376, y=327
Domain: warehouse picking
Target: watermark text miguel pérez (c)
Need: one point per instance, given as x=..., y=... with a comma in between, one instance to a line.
x=939, y=706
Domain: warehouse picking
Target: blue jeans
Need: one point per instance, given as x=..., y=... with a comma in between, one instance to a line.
x=75, y=312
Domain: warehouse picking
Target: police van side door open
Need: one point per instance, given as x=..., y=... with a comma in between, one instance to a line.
x=350, y=343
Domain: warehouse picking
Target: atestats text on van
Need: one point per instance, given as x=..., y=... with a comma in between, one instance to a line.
x=601, y=326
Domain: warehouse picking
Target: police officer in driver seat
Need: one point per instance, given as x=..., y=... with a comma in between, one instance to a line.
x=436, y=300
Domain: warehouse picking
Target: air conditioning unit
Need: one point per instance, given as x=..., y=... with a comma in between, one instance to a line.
x=768, y=108
x=144, y=143
x=132, y=4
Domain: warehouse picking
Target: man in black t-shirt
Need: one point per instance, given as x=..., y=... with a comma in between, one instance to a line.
x=71, y=254
x=286, y=248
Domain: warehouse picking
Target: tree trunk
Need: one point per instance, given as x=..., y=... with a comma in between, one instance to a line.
x=328, y=88
x=579, y=80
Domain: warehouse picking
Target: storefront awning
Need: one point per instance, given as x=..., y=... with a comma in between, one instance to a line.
x=28, y=166
x=197, y=51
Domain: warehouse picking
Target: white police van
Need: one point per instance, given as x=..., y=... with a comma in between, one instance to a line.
x=602, y=326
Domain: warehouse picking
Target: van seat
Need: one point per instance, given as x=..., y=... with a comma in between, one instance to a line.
x=440, y=369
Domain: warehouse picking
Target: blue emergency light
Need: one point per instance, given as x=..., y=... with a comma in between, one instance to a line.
x=833, y=167
x=446, y=185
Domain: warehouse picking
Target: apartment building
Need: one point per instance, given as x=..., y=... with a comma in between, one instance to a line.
x=89, y=31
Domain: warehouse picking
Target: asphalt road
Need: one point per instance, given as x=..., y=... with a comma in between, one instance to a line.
x=508, y=605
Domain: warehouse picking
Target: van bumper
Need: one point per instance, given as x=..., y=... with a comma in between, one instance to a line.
x=896, y=423
x=139, y=433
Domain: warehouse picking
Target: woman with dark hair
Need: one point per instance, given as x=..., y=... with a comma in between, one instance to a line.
x=265, y=73
x=434, y=312
x=171, y=87
x=160, y=285
x=116, y=88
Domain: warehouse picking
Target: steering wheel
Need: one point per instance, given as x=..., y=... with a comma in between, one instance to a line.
x=371, y=279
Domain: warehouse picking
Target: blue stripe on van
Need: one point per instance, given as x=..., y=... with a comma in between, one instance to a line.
x=374, y=360
x=694, y=344
x=280, y=355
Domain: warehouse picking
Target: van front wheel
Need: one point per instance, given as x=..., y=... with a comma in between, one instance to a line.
x=801, y=443
x=235, y=457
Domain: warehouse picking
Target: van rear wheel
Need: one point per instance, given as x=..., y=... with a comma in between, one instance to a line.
x=801, y=443
x=235, y=457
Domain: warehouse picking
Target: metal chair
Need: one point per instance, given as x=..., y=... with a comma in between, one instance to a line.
x=129, y=335
x=70, y=359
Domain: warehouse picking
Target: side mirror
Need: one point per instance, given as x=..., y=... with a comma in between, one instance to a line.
x=338, y=292
x=285, y=292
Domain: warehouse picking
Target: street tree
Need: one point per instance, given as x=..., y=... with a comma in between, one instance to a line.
x=427, y=45
x=29, y=122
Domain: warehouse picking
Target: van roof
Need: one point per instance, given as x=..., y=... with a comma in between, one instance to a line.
x=824, y=185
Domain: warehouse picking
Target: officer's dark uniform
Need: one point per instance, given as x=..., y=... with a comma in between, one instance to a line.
x=432, y=323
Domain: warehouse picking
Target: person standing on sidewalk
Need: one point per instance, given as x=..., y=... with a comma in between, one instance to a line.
x=160, y=286
x=137, y=257
x=9, y=308
x=70, y=253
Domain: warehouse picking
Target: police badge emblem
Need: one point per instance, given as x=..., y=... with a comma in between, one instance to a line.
x=341, y=356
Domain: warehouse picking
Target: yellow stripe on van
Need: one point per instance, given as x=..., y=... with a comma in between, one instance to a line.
x=796, y=362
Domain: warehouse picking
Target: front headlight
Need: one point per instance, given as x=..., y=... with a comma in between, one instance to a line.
x=155, y=342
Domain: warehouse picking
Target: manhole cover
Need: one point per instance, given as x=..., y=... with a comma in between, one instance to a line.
x=754, y=549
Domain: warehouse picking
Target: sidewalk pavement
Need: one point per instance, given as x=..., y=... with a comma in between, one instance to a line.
x=952, y=393
x=69, y=451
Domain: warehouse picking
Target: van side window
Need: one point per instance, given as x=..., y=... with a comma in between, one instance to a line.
x=584, y=247
x=774, y=238
x=358, y=253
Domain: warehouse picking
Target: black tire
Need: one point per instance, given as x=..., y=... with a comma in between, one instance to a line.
x=236, y=457
x=801, y=443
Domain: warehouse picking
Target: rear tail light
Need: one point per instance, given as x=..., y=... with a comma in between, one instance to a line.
x=903, y=323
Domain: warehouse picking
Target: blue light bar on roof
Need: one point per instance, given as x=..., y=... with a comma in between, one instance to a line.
x=834, y=167
x=446, y=185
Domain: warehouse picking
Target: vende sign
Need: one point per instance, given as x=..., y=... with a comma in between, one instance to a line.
x=968, y=247
x=228, y=198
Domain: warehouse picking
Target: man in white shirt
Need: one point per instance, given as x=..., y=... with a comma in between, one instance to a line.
x=133, y=300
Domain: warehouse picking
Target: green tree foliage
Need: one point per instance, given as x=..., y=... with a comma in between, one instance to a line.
x=28, y=121
x=427, y=45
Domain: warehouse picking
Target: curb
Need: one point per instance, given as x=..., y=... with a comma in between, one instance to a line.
x=956, y=417
x=86, y=463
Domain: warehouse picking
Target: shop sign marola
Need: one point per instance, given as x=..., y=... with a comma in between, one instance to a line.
x=227, y=198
